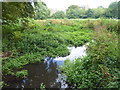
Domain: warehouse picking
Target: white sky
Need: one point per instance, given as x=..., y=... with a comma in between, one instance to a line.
x=64, y=4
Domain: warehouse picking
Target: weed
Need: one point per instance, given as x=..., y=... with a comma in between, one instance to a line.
x=22, y=74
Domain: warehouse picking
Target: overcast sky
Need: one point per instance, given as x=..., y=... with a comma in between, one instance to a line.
x=64, y=4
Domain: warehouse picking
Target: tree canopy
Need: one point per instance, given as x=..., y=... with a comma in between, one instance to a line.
x=41, y=11
x=59, y=15
x=73, y=11
x=113, y=9
x=15, y=10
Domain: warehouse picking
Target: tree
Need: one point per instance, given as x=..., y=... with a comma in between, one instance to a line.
x=81, y=13
x=99, y=12
x=59, y=15
x=107, y=13
x=89, y=13
x=73, y=11
x=119, y=10
x=14, y=10
x=41, y=11
x=113, y=9
x=14, y=17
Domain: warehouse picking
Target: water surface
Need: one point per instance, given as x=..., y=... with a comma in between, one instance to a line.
x=46, y=72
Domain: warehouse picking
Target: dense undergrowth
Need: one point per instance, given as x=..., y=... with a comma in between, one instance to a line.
x=39, y=39
x=100, y=68
x=31, y=42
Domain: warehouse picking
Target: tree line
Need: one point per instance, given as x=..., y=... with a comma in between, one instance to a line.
x=39, y=10
x=75, y=12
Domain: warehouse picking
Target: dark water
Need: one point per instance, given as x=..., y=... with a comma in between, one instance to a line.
x=46, y=72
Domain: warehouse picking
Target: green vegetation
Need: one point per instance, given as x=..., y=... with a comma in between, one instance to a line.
x=113, y=9
x=41, y=39
x=59, y=15
x=1, y=84
x=27, y=38
x=99, y=69
x=41, y=11
x=75, y=11
x=22, y=74
x=42, y=86
x=21, y=10
x=17, y=62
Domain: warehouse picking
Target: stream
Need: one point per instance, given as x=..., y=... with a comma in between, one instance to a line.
x=46, y=72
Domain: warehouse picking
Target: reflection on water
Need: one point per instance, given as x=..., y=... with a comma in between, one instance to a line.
x=46, y=72
x=74, y=54
x=38, y=73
